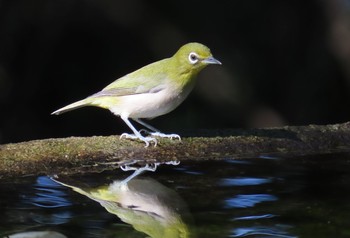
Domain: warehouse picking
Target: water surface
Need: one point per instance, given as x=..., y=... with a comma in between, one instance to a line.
x=305, y=196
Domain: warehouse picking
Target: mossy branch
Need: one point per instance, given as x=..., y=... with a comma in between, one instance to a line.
x=78, y=154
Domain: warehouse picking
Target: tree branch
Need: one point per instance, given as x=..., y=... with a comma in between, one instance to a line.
x=97, y=153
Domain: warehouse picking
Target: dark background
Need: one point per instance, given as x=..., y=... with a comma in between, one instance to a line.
x=285, y=62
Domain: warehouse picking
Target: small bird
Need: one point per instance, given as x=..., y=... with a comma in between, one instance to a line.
x=151, y=91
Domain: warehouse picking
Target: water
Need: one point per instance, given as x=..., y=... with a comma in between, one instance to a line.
x=258, y=197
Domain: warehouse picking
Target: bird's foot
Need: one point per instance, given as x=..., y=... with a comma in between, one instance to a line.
x=162, y=135
x=147, y=140
x=148, y=167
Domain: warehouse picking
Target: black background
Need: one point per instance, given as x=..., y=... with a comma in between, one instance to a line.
x=284, y=62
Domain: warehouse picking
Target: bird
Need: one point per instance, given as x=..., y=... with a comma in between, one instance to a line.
x=151, y=91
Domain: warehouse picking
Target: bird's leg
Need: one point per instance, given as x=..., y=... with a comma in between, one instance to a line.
x=136, y=135
x=154, y=131
x=137, y=171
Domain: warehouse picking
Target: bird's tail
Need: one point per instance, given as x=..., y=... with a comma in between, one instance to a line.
x=75, y=105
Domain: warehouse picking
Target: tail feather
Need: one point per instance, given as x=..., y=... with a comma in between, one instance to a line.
x=75, y=105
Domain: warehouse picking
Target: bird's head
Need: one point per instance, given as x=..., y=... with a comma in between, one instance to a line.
x=193, y=57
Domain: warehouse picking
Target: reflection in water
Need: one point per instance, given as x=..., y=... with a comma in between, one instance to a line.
x=248, y=200
x=49, y=195
x=260, y=231
x=274, y=197
x=245, y=181
x=147, y=205
x=37, y=234
x=139, y=170
x=256, y=217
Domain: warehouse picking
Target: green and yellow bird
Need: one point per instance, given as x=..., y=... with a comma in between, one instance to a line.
x=151, y=91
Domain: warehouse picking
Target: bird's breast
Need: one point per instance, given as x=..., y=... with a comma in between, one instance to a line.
x=150, y=105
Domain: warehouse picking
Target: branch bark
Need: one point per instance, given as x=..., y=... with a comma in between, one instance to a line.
x=97, y=153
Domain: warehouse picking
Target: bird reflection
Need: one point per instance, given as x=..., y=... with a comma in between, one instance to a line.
x=144, y=203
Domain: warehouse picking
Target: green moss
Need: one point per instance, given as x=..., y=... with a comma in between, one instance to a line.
x=76, y=154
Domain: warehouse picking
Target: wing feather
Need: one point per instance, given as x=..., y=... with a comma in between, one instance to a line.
x=128, y=85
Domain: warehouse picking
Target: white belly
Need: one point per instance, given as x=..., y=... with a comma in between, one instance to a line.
x=149, y=105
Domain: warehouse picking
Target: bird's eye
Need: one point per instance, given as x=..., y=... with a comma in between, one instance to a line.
x=193, y=58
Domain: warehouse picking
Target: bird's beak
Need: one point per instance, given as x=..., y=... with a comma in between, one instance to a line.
x=211, y=60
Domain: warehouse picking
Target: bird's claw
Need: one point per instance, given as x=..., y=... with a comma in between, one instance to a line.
x=159, y=134
x=148, y=167
x=147, y=140
x=170, y=136
x=128, y=136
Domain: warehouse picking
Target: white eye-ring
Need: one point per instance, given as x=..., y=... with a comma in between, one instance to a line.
x=193, y=58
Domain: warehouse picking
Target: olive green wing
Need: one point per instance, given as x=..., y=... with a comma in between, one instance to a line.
x=145, y=80
x=134, y=84
x=125, y=86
